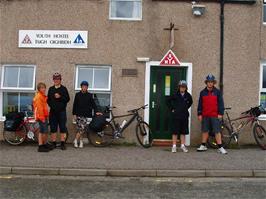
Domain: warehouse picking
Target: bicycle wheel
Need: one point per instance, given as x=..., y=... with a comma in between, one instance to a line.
x=144, y=134
x=15, y=137
x=260, y=136
x=103, y=138
x=226, y=138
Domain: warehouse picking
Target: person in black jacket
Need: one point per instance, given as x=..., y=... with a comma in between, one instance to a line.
x=179, y=103
x=58, y=98
x=82, y=110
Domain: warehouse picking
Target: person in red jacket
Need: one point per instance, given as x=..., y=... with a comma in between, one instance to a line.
x=41, y=116
x=210, y=113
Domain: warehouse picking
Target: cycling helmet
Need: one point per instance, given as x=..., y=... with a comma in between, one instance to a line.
x=57, y=76
x=84, y=83
x=182, y=83
x=210, y=78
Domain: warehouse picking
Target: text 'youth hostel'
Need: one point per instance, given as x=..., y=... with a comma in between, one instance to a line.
x=121, y=47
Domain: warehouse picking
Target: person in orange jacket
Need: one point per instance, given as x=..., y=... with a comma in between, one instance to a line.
x=41, y=116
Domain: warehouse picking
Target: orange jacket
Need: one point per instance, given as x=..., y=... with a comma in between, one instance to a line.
x=40, y=107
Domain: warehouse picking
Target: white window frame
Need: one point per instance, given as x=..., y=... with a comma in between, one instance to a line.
x=263, y=63
x=14, y=89
x=95, y=91
x=263, y=6
x=18, y=88
x=122, y=18
x=77, y=86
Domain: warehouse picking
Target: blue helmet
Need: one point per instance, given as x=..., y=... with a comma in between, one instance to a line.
x=210, y=78
x=84, y=83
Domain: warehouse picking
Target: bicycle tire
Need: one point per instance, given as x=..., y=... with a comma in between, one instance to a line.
x=259, y=135
x=226, y=138
x=103, y=138
x=17, y=140
x=142, y=130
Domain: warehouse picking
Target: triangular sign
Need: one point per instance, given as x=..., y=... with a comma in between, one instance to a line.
x=170, y=59
x=79, y=40
x=26, y=40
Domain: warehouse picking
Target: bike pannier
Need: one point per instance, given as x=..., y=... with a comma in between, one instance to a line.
x=97, y=123
x=256, y=111
x=13, y=120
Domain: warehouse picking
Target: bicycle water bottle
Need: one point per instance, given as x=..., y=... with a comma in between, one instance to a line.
x=123, y=124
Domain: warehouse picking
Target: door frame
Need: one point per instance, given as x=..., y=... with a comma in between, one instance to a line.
x=147, y=89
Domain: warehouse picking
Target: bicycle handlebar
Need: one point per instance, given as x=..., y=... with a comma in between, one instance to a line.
x=137, y=109
x=250, y=110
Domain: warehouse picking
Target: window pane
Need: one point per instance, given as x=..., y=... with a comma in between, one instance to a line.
x=264, y=77
x=101, y=78
x=26, y=77
x=102, y=100
x=26, y=103
x=126, y=9
x=85, y=74
x=264, y=13
x=263, y=100
x=10, y=103
x=11, y=76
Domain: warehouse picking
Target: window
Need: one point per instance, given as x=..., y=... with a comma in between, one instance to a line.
x=17, y=88
x=263, y=86
x=264, y=11
x=126, y=9
x=99, y=78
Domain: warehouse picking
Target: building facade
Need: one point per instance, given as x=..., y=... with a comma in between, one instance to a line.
x=121, y=60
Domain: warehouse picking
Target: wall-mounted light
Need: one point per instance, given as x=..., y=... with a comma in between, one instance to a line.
x=197, y=9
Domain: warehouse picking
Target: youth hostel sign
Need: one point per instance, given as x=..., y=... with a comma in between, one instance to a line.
x=52, y=39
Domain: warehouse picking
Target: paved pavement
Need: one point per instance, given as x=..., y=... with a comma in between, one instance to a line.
x=110, y=160
x=32, y=187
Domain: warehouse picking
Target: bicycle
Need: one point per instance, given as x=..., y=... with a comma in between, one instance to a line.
x=28, y=129
x=113, y=130
x=232, y=128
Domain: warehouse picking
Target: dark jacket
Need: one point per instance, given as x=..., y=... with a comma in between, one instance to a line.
x=58, y=105
x=84, y=104
x=179, y=104
x=211, y=103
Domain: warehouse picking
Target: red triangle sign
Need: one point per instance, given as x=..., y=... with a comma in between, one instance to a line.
x=170, y=59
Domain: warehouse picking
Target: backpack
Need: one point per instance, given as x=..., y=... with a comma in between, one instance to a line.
x=13, y=121
x=97, y=123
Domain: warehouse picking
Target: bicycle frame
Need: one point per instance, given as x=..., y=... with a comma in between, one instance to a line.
x=128, y=123
x=245, y=118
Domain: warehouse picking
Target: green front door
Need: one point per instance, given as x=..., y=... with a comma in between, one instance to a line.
x=163, y=83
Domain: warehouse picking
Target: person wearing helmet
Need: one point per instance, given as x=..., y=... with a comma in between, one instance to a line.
x=210, y=113
x=179, y=103
x=83, y=106
x=58, y=98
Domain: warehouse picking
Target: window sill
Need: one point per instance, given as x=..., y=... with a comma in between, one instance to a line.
x=125, y=19
x=262, y=117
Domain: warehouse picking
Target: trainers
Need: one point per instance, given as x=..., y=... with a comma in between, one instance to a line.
x=42, y=148
x=222, y=150
x=81, y=144
x=174, y=149
x=76, y=143
x=63, y=146
x=49, y=146
x=184, y=149
x=202, y=148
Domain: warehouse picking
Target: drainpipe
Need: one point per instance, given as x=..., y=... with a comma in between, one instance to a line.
x=221, y=84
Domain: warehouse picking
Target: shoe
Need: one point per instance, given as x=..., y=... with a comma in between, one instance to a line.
x=42, y=148
x=81, y=144
x=202, y=148
x=174, y=149
x=63, y=146
x=49, y=146
x=184, y=149
x=76, y=143
x=222, y=150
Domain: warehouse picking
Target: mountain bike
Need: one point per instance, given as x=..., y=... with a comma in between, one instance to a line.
x=232, y=128
x=28, y=129
x=113, y=130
